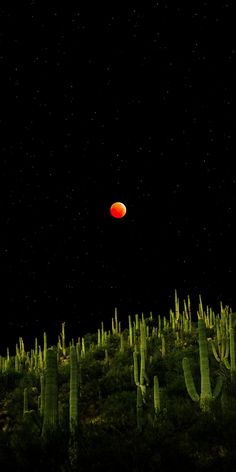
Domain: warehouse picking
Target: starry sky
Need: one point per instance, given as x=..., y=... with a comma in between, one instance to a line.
x=131, y=104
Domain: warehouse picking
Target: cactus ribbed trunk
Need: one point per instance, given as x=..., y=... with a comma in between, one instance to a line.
x=232, y=347
x=156, y=395
x=42, y=394
x=74, y=386
x=206, y=393
x=50, y=414
x=206, y=397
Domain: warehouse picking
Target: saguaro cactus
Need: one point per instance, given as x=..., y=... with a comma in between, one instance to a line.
x=206, y=395
x=42, y=395
x=73, y=389
x=141, y=380
x=156, y=395
x=50, y=413
x=63, y=339
x=220, y=347
x=232, y=364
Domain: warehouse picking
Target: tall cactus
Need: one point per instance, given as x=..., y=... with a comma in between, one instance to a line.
x=63, y=338
x=141, y=380
x=50, y=416
x=42, y=395
x=206, y=396
x=232, y=364
x=73, y=389
x=130, y=332
x=44, y=349
x=156, y=395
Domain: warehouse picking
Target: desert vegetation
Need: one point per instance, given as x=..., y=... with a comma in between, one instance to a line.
x=158, y=394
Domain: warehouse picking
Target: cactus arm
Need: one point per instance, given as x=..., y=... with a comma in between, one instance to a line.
x=189, y=382
x=135, y=356
x=226, y=363
x=63, y=339
x=227, y=348
x=213, y=346
x=218, y=387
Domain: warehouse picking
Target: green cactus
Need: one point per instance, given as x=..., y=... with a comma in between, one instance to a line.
x=73, y=389
x=17, y=363
x=42, y=395
x=163, y=345
x=141, y=381
x=156, y=395
x=122, y=344
x=220, y=349
x=63, y=339
x=50, y=409
x=232, y=364
x=130, y=331
x=99, y=337
x=44, y=348
x=206, y=396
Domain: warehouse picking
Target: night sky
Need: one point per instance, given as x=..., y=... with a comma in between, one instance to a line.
x=108, y=104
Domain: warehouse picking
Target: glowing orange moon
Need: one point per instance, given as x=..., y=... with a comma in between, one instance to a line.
x=118, y=210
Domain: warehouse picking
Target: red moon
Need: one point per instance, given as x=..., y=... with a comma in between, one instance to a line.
x=118, y=210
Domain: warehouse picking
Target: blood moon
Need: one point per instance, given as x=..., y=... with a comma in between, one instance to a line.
x=118, y=210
